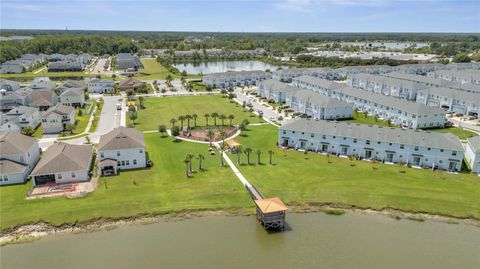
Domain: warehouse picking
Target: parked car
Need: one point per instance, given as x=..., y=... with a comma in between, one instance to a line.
x=149, y=163
x=260, y=112
x=119, y=106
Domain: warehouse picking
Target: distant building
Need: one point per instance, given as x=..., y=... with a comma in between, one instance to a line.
x=275, y=90
x=65, y=66
x=391, y=145
x=122, y=148
x=9, y=100
x=456, y=101
x=18, y=155
x=56, y=118
x=319, y=106
x=62, y=163
x=127, y=61
x=234, y=79
x=463, y=76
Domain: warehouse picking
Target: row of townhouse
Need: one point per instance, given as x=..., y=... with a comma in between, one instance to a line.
x=435, y=82
x=391, y=145
x=286, y=75
x=315, y=105
x=83, y=58
x=65, y=66
x=232, y=79
x=463, y=76
x=397, y=111
x=120, y=149
x=461, y=102
x=385, y=85
x=98, y=85
x=25, y=63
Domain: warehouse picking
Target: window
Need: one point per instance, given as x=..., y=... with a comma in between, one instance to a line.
x=441, y=150
x=119, y=163
x=118, y=153
x=128, y=162
x=312, y=135
x=284, y=132
x=429, y=148
x=59, y=176
x=134, y=161
x=389, y=144
x=73, y=174
x=354, y=140
x=102, y=155
x=324, y=136
x=454, y=153
x=402, y=146
x=367, y=142
x=378, y=142
x=416, y=148
x=123, y=163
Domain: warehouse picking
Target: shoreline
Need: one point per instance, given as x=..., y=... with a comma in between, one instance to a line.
x=31, y=232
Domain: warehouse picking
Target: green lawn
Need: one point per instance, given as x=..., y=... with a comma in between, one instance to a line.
x=359, y=117
x=463, y=134
x=297, y=177
x=154, y=70
x=159, y=110
x=161, y=189
x=82, y=121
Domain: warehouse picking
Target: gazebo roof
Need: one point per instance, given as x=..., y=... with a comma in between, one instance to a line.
x=271, y=205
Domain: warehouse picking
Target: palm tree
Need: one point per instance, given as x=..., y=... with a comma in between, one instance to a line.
x=222, y=149
x=173, y=121
x=222, y=117
x=239, y=154
x=186, y=162
x=223, y=135
x=190, y=157
x=188, y=117
x=200, y=158
x=206, y=118
x=247, y=152
x=270, y=152
x=214, y=115
x=181, y=118
x=230, y=118
x=259, y=153
x=210, y=135
x=195, y=116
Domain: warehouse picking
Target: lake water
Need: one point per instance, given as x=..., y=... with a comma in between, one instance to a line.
x=224, y=66
x=314, y=240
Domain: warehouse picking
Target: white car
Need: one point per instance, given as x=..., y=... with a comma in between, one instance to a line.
x=119, y=106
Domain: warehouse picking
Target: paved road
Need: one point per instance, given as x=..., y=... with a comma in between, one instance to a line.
x=268, y=112
x=98, y=69
x=465, y=124
x=109, y=119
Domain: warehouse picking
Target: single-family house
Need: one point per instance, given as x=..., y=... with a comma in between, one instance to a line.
x=72, y=97
x=18, y=155
x=43, y=99
x=23, y=116
x=62, y=163
x=101, y=85
x=9, y=85
x=130, y=84
x=122, y=148
x=56, y=118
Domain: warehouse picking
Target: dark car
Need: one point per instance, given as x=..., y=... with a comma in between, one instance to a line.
x=149, y=163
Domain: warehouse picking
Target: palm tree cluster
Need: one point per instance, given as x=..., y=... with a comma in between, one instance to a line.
x=248, y=151
x=221, y=117
x=188, y=163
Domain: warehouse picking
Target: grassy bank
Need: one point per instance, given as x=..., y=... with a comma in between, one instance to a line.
x=312, y=178
x=161, y=189
x=461, y=133
x=159, y=110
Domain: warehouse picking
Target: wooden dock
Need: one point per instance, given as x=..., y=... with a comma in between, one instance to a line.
x=270, y=211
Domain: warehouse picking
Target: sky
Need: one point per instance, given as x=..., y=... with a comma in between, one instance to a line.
x=244, y=15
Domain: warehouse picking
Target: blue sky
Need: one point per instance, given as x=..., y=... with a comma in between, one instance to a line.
x=245, y=15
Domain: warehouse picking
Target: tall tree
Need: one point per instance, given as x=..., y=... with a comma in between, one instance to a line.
x=206, y=118
x=173, y=121
x=259, y=153
x=210, y=135
x=200, y=158
x=214, y=115
x=181, y=118
x=222, y=117
x=247, y=152
x=194, y=116
x=230, y=118
x=270, y=152
x=188, y=117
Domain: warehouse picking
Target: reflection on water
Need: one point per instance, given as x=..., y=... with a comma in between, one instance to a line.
x=314, y=240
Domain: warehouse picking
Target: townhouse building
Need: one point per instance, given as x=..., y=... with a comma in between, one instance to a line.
x=462, y=76
x=9, y=100
x=43, y=99
x=472, y=153
x=127, y=61
x=390, y=145
x=286, y=75
x=384, y=85
x=72, y=97
x=435, y=82
x=318, y=106
x=121, y=149
x=275, y=90
x=18, y=156
x=461, y=102
x=22, y=116
x=62, y=163
x=101, y=86
x=397, y=111
x=233, y=79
